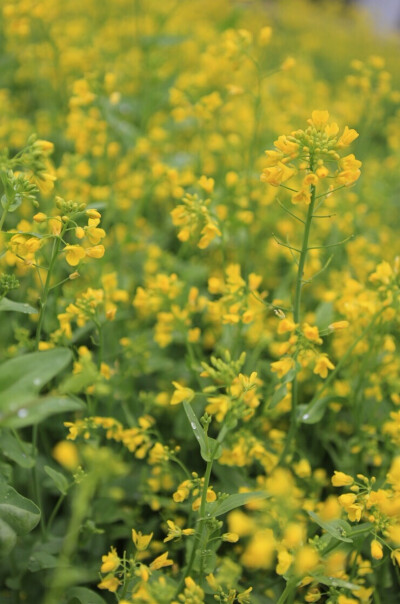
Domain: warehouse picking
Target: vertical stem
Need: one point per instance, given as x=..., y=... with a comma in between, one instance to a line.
x=199, y=532
x=62, y=577
x=43, y=301
x=5, y=212
x=296, y=317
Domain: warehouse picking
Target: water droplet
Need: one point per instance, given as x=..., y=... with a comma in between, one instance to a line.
x=37, y=382
x=193, y=425
x=306, y=416
x=22, y=413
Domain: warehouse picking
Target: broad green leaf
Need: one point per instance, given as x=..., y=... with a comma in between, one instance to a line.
x=232, y=502
x=38, y=409
x=334, y=582
x=307, y=414
x=18, y=516
x=16, y=449
x=58, y=478
x=40, y=560
x=209, y=447
x=324, y=315
x=84, y=596
x=8, y=538
x=10, y=305
x=339, y=529
x=78, y=382
x=278, y=395
x=22, y=378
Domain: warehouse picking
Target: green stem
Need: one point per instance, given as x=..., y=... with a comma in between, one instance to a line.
x=101, y=342
x=286, y=592
x=5, y=212
x=36, y=483
x=63, y=574
x=54, y=512
x=43, y=301
x=296, y=317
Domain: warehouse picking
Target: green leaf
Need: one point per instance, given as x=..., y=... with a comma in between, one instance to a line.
x=10, y=305
x=323, y=315
x=17, y=450
x=209, y=447
x=278, y=395
x=339, y=529
x=22, y=378
x=8, y=538
x=58, y=478
x=84, y=596
x=333, y=582
x=78, y=382
x=18, y=516
x=38, y=409
x=40, y=560
x=233, y=501
x=307, y=414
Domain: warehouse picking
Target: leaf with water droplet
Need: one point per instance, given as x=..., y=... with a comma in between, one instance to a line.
x=11, y=306
x=335, y=582
x=209, y=447
x=16, y=449
x=339, y=529
x=312, y=414
x=18, y=516
x=22, y=378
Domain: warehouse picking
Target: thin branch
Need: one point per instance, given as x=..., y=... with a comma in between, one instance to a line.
x=330, y=191
x=322, y=247
x=289, y=188
x=289, y=212
x=290, y=247
x=323, y=215
x=327, y=263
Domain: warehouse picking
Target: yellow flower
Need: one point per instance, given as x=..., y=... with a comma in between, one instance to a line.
x=109, y=582
x=338, y=325
x=319, y=119
x=181, y=394
x=207, y=184
x=276, y=175
x=93, y=214
x=340, y=479
x=111, y=561
x=285, y=560
x=306, y=560
x=66, y=453
x=40, y=217
x=44, y=146
x=230, y=537
x=283, y=366
x=160, y=562
x=140, y=541
x=286, y=325
x=97, y=251
x=74, y=254
x=376, y=549
x=208, y=232
x=322, y=365
x=348, y=136
x=302, y=196
x=311, y=333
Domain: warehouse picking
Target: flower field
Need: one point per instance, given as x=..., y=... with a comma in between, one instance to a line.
x=199, y=302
